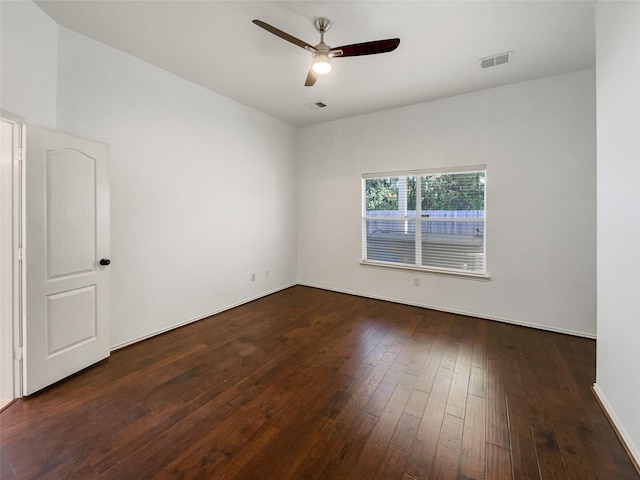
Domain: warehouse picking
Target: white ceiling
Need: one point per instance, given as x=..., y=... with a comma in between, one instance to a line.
x=214, y=44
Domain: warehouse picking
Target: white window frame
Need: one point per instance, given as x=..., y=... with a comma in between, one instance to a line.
x=419, y=219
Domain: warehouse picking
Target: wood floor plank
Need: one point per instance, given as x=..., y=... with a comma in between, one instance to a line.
x=349, y=457
x=414, y=355
x=436, y=406
x=457, y=401
x=392, y=462
x=416, y=404
x=497, y=427
x=424, y=448
x=445, y=464
x=434, y=358
x=385, y=389
x=498, y=463
x=388, y=420
x=159, y=450
x=405, y=432
x=550, y=461
x=479, y=352
x=574, y=456
x=451, y=432
x=311, y=384
x=472, y=463
x=478, y=382
x=308, y=461
x=523, y=451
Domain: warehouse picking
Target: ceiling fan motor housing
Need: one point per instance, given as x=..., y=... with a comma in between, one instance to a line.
x=322, y=24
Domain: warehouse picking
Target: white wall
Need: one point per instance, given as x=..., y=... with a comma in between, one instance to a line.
x=202, y=188
x=618, y=122
x=538, y=142
x=29, y=52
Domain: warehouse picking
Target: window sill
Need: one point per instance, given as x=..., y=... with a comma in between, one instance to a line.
x=436, y=271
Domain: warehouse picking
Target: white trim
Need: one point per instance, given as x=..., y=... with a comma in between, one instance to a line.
x=363, y=223
x=457, y=312
x=7, y=261
x=427, y=171
x=359, y=294
x=12, y=117
x=632, y=449
x=417, y=229
x=12, y=253
x=436, y=270
x=201, y=317
x=20, y=298
x=419, y=219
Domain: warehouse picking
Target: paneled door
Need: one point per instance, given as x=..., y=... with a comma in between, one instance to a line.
x=66, y=325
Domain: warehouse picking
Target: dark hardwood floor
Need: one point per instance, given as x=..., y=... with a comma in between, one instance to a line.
x=308, y=384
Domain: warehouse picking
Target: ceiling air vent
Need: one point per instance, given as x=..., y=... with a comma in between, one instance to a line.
x=494, y=60
x=316, y=105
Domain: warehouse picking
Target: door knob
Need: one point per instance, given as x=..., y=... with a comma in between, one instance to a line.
x=105, y=261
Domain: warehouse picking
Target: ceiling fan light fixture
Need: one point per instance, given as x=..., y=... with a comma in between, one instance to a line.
x=322, y=53
x=321, y=64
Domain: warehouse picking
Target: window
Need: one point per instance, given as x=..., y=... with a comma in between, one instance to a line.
x=450, y=220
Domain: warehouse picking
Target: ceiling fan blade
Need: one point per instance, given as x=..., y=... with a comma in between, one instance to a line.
x=369, y=48
x=311, y=78
x=284, y=35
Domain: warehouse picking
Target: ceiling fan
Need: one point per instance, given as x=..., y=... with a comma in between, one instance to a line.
x=322, y=53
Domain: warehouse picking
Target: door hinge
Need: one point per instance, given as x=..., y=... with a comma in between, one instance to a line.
x=18, y=155
x=18, y=353
x=19, y=256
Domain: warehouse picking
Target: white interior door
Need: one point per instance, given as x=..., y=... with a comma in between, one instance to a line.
x=67, y=245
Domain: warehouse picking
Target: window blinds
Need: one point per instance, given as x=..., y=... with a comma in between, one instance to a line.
x=426, y=219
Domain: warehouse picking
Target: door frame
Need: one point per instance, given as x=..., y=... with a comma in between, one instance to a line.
x=14, y=295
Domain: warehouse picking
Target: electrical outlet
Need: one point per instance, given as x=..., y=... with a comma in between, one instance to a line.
x=253, y=277
x=416, y=282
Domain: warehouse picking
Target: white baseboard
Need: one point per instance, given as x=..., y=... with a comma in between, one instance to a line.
x=191, y=320
x=358, y=294
x=457, y=312
x=632, y=449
